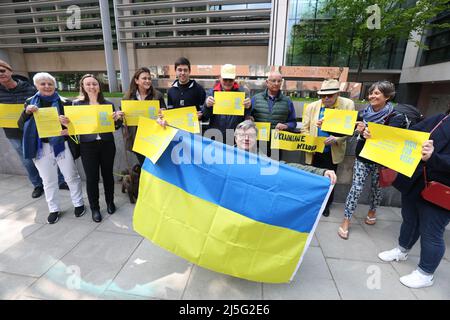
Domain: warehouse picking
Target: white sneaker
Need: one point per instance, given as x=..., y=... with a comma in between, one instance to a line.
x=394, y=254
x=417, y=280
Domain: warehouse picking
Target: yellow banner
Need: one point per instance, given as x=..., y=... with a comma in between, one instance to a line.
x=183, y=118
x=229, y=103
x=395, y=148
x=9, y=114
x=263, y=130
x=152, y=139
x=47, y=122
x=90, y=119
x=296, y=142
x=134, y=109
x=339, y=121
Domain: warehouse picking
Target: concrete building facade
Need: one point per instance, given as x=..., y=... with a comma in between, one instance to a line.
x=114, y=38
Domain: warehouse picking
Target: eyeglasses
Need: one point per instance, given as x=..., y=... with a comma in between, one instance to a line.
x=327, y=95
x=245, y=135
x=228, y=80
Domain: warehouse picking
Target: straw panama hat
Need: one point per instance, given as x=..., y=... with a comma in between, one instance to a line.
x=330, y=86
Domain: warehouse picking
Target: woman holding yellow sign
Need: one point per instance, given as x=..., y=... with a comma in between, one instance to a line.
x=425, y=215
x=141, y=88
x=50, y=153
x=97, y=150
x=380, y=110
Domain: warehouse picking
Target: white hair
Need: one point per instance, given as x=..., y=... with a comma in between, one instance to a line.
x=43, y=75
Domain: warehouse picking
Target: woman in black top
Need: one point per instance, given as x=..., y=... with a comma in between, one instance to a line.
x=141, y=88
x=98, y=150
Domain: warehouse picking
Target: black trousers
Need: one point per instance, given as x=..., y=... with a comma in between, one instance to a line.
x=95, y=156
x=325, y=161
x=140, y=158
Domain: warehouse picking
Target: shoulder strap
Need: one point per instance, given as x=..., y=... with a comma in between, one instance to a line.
x=435, y=127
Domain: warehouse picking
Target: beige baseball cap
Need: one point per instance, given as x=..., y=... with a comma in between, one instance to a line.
x=228, y=71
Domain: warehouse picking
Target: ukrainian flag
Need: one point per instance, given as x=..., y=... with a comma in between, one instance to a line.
x=228, y=210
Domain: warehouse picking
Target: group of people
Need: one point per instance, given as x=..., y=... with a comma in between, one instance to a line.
x=44, y=158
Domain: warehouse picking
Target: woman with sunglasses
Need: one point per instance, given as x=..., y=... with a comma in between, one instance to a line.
x=97, y=150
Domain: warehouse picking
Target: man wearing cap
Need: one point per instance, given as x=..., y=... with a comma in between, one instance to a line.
x=16, y=89
x=225, y=123
x=335, y=146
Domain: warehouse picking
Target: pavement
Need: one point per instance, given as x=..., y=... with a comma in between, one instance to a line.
x=79, y=259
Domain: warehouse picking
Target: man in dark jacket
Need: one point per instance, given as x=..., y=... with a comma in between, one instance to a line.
x=225, y=123
x=185, y=92
x=15, y=90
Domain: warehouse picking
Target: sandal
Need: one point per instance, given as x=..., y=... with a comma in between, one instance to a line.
x=371, y=219
x=343, y=233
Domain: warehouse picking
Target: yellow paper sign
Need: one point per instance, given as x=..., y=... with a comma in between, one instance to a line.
x=47, y=122
x=263, y=130
x=9, y=114
x=152, y=139
x=89, y=119
x=183, y=118
x=229, y=103
x=339, y=121
x=296, y=142
x=134, y=109
x=395, y=148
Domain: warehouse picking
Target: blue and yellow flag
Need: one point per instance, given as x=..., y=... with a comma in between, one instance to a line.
x=228, y=210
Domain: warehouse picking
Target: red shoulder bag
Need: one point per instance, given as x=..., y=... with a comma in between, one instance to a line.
x=436, y=192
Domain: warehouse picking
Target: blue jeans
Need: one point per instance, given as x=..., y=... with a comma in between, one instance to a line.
x=427, y=221
x=32, y=172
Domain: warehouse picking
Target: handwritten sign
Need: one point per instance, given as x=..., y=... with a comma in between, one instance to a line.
x=395, y=148
x=296, y=142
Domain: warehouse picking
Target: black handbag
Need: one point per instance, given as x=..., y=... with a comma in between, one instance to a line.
x=74, y=146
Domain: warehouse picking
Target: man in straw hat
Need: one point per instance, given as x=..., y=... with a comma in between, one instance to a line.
x=335, y=146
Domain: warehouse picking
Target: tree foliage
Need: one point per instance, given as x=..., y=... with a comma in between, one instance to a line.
x=350, y=25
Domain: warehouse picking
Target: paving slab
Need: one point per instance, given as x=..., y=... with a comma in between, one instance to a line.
x=205, y=284
x=385, y=235
x=440, y=290
x=12, y=286
x=34, y=255
x=12, y=232
x=88, y=269
x=12, y=182
x=383, y=213
x=358, y=280
x=154, y=273
x=121, y=221
x=359, y=246
x=13, y=201
x=312, y=281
